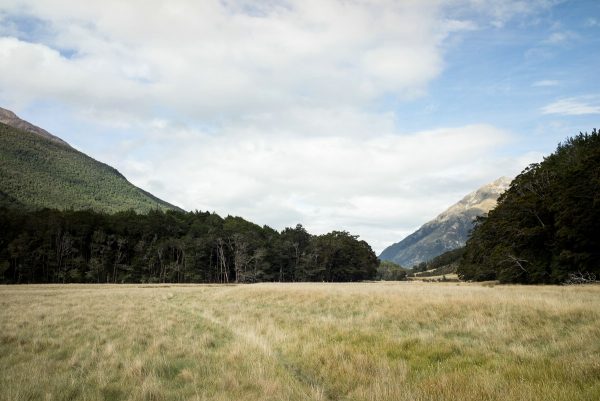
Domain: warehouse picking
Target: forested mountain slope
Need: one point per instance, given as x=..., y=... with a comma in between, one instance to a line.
x=39, y=170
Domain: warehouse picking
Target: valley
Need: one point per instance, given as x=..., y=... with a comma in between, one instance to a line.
x=231, y=200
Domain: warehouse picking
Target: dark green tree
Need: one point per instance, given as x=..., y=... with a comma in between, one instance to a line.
x=545, y=226
x=54, y=246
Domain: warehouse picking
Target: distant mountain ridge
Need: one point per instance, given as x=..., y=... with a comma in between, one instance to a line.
x=40, y=170
x=449, y=230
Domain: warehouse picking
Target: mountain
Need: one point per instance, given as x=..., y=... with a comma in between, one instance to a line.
x=38, y=170
x=447, y=231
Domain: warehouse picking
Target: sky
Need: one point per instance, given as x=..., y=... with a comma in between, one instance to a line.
x=366, y=116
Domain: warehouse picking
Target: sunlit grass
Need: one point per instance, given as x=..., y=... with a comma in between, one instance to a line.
x=371, y=341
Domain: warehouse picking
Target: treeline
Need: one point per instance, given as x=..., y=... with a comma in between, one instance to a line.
x=546, y=226
x=440, y=265
x=51, y=246
x=445, y=263
x=390, y=271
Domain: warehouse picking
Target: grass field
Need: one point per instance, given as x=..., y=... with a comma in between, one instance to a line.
x=369, y=341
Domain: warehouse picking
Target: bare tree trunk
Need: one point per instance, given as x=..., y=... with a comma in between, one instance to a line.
x=223, y=274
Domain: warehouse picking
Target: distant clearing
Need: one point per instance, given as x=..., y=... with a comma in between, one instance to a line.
x=367, y=341
x=450, y=276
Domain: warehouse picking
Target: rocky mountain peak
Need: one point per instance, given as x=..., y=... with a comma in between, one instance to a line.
x=449, y=230
x=480, y=201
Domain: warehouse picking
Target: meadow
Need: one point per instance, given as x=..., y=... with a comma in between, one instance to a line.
x=363, y=341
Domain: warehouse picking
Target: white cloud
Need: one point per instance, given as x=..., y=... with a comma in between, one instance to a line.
x=377, y=186
x=270, y=110
x=229, y=57
x=31, y=71
x=573, y=106
x=213, y=57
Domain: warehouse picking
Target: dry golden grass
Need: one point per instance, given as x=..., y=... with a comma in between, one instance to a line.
x=370, y=341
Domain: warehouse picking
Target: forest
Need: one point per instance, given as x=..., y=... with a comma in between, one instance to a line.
x=52, y=246
x=545, y=228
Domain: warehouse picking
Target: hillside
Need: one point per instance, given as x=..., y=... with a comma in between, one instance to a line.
x=447, y=231
x=38, y=169
x=545, y=227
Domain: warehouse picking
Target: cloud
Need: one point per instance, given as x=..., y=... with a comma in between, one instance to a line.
x=378, y=186
x=592, y=22
x=557, y=38
x=277, y=111
x=499, y=12
x=546, y=83
x=31, y=71
x=223, y=57
x=215, y=59
x=574, y=106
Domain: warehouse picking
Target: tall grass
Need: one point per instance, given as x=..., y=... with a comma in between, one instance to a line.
x=370, y=341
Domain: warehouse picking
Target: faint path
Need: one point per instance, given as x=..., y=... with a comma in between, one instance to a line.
x=315, y=389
